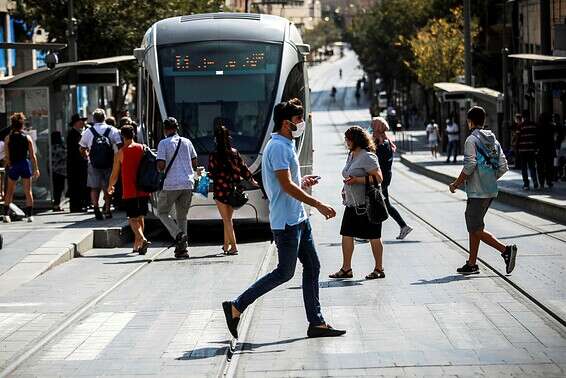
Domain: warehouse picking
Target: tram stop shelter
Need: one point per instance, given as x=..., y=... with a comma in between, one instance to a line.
x=49, y=97
x=455, y=98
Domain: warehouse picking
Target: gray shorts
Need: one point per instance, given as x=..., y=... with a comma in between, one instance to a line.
x=98, y=178
x=476, y=208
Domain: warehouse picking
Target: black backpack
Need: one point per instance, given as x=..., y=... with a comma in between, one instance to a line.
x=101, y=151
x=148, y=178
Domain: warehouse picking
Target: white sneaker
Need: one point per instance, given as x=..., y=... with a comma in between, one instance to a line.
x=7, y=219
x=404, y=232
x=30, y=219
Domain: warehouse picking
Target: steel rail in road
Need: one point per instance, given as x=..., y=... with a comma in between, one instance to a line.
x=75, y=315
x=519, y=289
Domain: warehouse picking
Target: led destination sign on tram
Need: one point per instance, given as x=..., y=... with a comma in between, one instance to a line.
x=249, y=62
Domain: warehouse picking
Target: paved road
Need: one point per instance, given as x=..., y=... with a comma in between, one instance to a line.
x=421, y=319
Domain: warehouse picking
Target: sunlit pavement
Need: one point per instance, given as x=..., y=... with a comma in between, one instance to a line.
x=422, y=319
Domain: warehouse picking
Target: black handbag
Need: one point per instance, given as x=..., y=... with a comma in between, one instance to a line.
x=376, y=210
x=237, y=198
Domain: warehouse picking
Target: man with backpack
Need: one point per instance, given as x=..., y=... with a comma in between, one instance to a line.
x=484, y=164
x=177, y=159
x=98, y=145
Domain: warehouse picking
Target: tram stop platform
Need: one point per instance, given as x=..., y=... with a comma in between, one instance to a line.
x=547, y=203
x=31, y=249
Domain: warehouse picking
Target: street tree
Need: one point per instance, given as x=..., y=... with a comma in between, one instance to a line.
x=438, y=50
x=322, y=34
x=108, y=27
x=375, y=36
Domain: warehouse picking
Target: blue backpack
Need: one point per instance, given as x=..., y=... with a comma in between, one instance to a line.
x=488, y=165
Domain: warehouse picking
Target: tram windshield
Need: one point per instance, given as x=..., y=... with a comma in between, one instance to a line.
x=228, y=82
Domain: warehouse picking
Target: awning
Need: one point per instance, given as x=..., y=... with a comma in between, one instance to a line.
x=538, y=57
x=44, y=76
x=457, y=91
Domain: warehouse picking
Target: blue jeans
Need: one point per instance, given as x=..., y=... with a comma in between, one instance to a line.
x=452, y=147
x=292, y=243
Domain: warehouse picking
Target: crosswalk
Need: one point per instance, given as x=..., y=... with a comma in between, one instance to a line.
x=193, y=335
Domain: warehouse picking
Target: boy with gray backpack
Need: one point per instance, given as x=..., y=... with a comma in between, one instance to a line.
x=484, y=164
x=98, y=145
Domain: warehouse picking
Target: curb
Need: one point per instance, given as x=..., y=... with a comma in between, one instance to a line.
x=63, y=247
x=543, y=209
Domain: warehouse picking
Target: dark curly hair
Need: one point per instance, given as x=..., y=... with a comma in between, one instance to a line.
x=360, y=138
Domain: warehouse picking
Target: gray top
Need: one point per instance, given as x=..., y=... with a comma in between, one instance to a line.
x=482, y=174
x=359, y=166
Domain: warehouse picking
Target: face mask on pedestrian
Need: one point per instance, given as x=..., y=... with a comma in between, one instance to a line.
x=299, y=129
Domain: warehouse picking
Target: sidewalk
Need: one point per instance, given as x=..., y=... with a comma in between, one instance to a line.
x=548, y=203
x=30, y=249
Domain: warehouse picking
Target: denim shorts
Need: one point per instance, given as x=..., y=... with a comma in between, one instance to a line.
x=19, y=169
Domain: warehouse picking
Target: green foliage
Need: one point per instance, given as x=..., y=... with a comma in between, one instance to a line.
x=376, y=36
x=438, y=49
x=107, y=27
x=324, y=33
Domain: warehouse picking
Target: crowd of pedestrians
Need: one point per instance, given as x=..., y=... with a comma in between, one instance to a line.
x=102, y=156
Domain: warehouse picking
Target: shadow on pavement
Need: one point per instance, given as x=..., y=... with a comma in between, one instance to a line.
x=246, y=348
x=449, y=279
x=401, y=241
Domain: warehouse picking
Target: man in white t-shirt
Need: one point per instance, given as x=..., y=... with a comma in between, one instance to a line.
x=453, y=133
x=433, y=136
x=177, y=158
x=98, y=143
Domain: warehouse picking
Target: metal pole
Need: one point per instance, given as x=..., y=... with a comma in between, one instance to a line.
x=467, y=43
x=545, y=49
x=73, y=56
x=506, y=116
x=246, y=6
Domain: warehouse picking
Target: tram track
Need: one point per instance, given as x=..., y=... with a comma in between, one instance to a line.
x=462, y=249
x=76, y=315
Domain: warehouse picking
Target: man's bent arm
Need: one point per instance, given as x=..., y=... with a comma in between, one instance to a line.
x=292, y=189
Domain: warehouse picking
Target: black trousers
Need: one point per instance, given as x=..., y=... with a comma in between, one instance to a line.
x=78, y=193
x=390, y=209
x=528, y=163
x=58, y=187
x=545, y=168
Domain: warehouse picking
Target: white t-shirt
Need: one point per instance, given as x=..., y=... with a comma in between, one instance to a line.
x=432, y=132
x=453, y=132
x=88, y=136
x=181, y=174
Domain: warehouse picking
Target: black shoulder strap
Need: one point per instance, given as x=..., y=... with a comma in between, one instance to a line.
x=107, y=132
x=94, y=132
x=174, y=156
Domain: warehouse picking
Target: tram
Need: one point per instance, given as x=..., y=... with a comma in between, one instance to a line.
x=223, y=67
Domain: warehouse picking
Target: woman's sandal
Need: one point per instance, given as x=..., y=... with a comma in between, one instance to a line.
x=342, y=274
x=231, y=253
x=375, y=274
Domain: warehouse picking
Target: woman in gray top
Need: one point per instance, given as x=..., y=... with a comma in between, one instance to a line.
x=361, y=162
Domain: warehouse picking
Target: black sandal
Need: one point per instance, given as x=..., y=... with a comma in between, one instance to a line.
x=342, y=274
x=231, y=253
x=375, y=275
